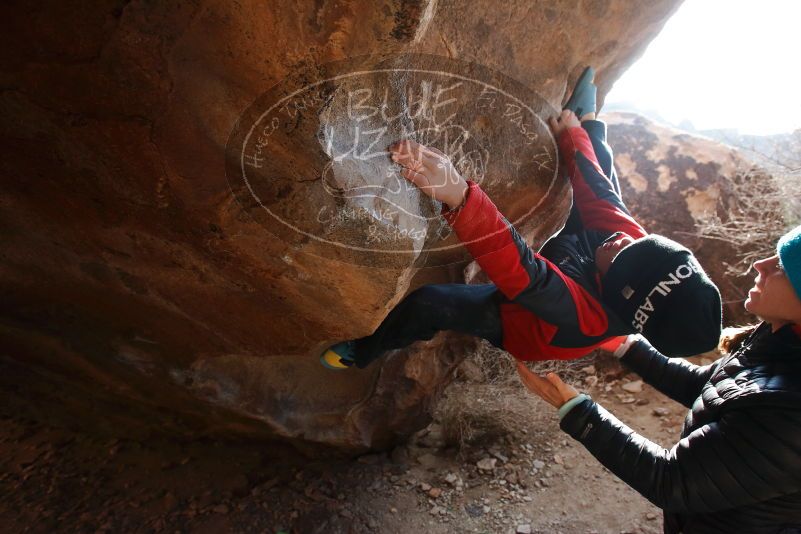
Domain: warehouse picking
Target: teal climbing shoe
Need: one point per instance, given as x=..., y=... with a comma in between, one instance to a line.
x=340, y=356
x=582, y=101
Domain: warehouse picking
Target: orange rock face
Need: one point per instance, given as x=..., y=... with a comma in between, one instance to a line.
x=146, y=287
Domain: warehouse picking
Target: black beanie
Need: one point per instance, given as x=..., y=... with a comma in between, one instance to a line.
x=659, y=289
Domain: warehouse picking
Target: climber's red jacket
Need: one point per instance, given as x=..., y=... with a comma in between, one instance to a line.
x=553, y=307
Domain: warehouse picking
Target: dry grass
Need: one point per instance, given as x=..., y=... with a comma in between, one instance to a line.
x=755, y=215
x=498, y=366
x=477, y=414
x=487, y=400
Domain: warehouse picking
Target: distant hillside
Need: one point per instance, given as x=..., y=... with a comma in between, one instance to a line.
x=781, y=152
x=777, y=153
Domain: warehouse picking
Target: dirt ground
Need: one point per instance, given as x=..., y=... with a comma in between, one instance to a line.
x=474, y=469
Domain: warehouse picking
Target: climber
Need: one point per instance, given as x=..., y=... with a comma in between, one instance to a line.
x=601, y=278
x=737, y=466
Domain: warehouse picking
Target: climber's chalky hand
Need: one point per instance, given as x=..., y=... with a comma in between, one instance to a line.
x=430, y=170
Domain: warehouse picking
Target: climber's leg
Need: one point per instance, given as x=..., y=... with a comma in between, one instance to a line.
x=471, y=309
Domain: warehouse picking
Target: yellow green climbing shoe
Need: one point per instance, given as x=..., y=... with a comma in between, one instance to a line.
x=338, y=357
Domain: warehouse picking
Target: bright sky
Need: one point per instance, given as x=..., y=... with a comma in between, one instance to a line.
x=722, y=64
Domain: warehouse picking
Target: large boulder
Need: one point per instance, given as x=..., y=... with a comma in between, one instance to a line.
x=143, y=287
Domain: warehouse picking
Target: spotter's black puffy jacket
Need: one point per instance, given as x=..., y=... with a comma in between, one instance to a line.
x=737, y=467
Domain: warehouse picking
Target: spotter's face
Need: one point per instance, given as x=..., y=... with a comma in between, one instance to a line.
x=773, y=298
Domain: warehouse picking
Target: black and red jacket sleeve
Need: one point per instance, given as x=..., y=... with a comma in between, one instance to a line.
x=599, y=205
x=522, y=275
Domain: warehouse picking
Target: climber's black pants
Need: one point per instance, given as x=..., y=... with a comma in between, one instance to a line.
x=467, y=308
